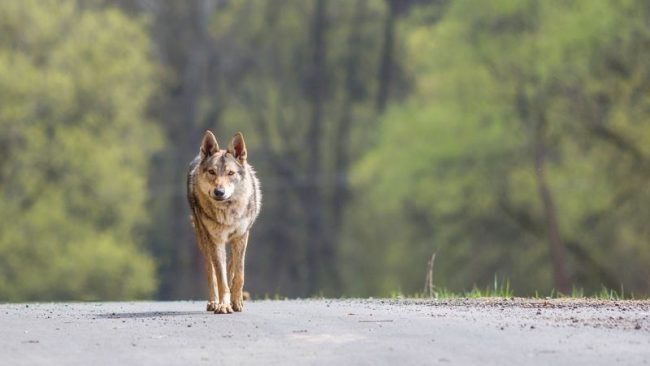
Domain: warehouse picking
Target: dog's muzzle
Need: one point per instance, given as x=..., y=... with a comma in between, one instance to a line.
x=219, y=194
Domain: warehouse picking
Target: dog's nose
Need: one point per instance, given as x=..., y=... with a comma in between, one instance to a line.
x=219, y=192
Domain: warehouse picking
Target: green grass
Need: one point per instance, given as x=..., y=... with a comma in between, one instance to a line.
x=608, y=294
x=501, y=289
x=497, y=289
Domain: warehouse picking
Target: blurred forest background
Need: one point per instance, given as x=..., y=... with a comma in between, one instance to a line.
x=510, y=137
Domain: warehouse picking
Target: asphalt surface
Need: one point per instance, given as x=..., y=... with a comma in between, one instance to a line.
x=329, y=332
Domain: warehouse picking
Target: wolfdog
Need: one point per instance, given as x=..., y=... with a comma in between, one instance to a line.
x=225, y=199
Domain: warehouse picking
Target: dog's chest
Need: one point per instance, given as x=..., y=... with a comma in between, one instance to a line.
x=227, y=222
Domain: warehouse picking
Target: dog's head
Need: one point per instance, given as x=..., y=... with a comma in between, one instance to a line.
x=221, y=171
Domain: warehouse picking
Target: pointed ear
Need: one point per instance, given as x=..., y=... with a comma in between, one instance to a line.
x=209, y=146
x=237, y=147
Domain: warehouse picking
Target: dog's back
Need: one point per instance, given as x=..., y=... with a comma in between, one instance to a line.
x=191, y=183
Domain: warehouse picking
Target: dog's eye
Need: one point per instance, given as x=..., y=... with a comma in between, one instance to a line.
x=230, y=172
x=211, y=172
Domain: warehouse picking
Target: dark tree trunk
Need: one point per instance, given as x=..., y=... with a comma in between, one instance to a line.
x=386, y=61
x=527, y=223
x=341, y=191
x=533, y=116
x=550, y=211
x=184, y=46
x=312, y=192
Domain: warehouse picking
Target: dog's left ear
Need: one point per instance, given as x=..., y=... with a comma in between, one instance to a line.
x=237, y=147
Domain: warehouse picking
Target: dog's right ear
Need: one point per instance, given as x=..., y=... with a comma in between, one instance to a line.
x=209, y=146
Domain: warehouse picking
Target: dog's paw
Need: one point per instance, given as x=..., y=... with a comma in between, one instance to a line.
x=212, y=306
x=223, y=309
x=237, y=304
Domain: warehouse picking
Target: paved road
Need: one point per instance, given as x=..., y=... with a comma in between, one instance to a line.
x=329, y=332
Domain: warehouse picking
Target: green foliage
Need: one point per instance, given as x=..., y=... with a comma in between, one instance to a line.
x=452, y=170
x=75, y=147
x=267, y=87
x=358, y=194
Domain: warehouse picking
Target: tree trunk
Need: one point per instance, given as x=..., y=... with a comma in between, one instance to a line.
x=550, y=212
x=523, y=219
x=341, y=144
x=312, y=192
x=386, y=62
x=181, y=276
x=533, y=117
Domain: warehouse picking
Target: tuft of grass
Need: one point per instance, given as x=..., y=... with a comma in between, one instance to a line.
x=497, y=289
x=577, y=292
x=500, y=288
x=608, y=294
x=443, y=293
x=397, y=294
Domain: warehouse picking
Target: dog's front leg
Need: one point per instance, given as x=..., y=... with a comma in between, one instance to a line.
x=219, y=259
x=205, y=245
x=236, y=270
x=213, y=298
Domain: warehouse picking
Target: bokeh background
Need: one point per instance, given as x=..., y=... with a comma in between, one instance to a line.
x=509, y=137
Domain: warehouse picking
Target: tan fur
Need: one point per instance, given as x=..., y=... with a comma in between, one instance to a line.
x=224, y=220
